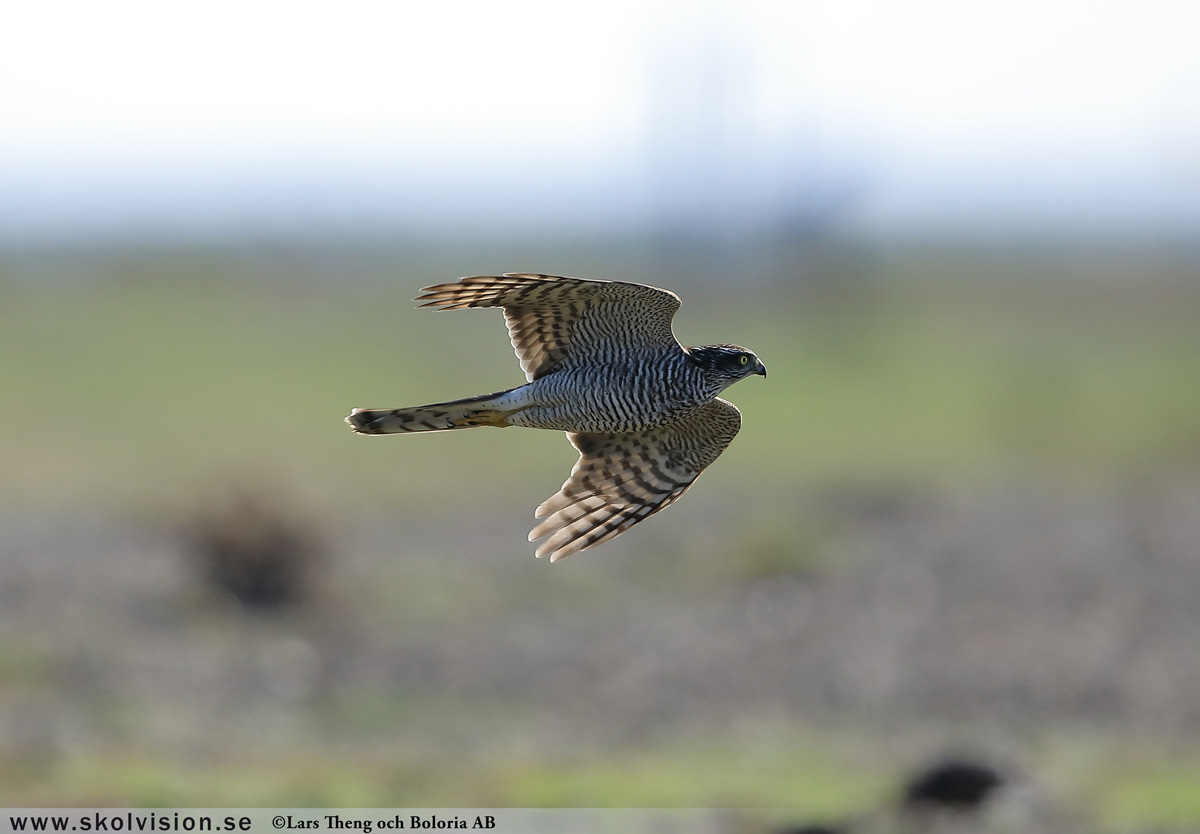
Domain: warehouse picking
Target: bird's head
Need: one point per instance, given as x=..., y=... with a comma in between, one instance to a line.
x=726, y=364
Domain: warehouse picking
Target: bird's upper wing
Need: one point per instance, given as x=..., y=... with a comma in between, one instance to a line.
x=623, y=478
x=555, y=321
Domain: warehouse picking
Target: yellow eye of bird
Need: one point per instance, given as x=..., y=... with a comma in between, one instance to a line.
x=743, y=359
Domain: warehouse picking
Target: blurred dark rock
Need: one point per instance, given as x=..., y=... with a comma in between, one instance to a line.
x=953, y=784
x=257, y=554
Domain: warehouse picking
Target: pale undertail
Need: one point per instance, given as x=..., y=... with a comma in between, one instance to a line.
x=456, y=414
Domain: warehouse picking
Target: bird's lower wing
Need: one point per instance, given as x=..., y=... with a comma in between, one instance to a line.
x=623, y=478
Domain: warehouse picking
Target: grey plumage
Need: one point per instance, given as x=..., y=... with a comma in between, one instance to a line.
x=603, y=365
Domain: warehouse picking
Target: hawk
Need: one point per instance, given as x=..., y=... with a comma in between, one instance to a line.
x=603, y=366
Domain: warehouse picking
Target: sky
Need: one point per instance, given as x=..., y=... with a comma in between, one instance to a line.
x=929, y=107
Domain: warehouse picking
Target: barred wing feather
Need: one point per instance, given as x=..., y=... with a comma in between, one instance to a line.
x=555, y=321
x=621, y=479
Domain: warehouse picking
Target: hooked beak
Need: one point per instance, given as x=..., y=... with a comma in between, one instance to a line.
x=761, y=370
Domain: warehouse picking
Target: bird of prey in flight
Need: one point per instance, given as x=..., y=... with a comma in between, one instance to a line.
x=603, y=366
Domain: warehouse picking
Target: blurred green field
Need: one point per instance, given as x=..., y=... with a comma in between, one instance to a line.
x=832, y=773
x=142, y=386
x=160, y=380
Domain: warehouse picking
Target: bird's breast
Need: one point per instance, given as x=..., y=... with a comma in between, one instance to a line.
x=611, y=398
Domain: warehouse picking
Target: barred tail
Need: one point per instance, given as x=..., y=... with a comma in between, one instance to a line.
x=456, y=414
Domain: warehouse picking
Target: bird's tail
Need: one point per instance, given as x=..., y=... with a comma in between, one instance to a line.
x=456, y=414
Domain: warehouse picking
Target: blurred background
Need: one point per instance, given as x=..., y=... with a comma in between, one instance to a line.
x=962, y=517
